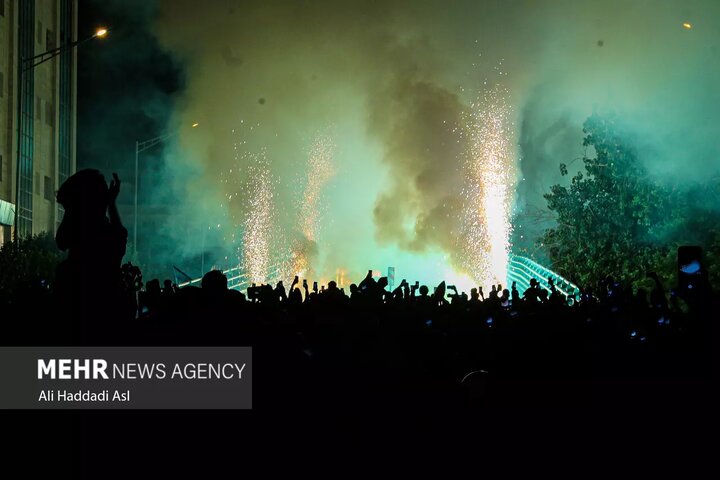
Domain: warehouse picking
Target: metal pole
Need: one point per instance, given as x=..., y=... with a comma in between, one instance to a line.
x=16, y=236
x=21, y=76
x=135, y=219
x=202, y=261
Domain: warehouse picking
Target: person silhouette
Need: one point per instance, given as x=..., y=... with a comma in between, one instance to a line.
x=89, y=281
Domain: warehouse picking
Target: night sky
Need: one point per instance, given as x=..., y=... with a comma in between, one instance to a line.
x=126, y=84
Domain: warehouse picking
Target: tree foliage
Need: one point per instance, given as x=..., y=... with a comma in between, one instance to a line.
x=614, y=218
x=28, y=268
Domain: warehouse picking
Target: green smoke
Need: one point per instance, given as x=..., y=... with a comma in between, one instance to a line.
x=393, y=78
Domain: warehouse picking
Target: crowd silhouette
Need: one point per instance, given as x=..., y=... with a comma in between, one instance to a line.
x=501, y=346
x=335, y=371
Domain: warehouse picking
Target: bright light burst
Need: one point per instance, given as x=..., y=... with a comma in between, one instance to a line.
x=490, y=174
x=258, y=223
x=320, y=170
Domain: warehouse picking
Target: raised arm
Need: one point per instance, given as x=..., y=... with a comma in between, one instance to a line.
x=113, y=192
x=280, y=289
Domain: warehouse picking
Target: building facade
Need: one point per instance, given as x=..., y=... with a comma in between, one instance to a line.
x=45, y=111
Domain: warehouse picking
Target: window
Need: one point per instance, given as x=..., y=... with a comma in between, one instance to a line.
x=2, y=77
x=38, y=108
x=49, y=39
x=48, y=189
x=49, y=114
x=39, y=30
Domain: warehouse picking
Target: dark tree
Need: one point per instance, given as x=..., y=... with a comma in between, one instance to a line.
x=610, y=216
x=28, y=269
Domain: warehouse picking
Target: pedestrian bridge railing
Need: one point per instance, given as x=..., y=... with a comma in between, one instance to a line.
x=522, y=269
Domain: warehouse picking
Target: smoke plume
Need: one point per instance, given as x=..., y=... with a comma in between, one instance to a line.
x=393, y=80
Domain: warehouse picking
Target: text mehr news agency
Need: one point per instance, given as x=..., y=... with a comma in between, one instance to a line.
x=98, y=369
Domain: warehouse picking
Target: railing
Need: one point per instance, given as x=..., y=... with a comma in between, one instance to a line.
x=522, y=269
x=237, y=278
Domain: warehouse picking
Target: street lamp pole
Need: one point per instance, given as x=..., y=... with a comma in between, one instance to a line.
x=141, y=146
x=135, y=216
x=26, y=65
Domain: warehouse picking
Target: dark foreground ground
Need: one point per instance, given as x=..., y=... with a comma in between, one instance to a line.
x=361, y=386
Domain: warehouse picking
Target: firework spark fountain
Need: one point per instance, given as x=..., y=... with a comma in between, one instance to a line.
x=258, y=222
x=490, y=172
x=319, y=172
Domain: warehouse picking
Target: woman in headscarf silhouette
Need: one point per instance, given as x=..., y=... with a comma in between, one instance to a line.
x=88, y=282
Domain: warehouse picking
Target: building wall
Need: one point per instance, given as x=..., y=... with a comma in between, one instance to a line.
x=6, y=107
x=45, y=153
x=50, y=113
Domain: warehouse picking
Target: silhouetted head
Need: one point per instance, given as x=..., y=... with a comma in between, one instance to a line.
x=383, y=282
x=153, y=286
x=214, y=281
x=353, y=288
x=332, y=285
x=85, y=194
x=424, y=290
